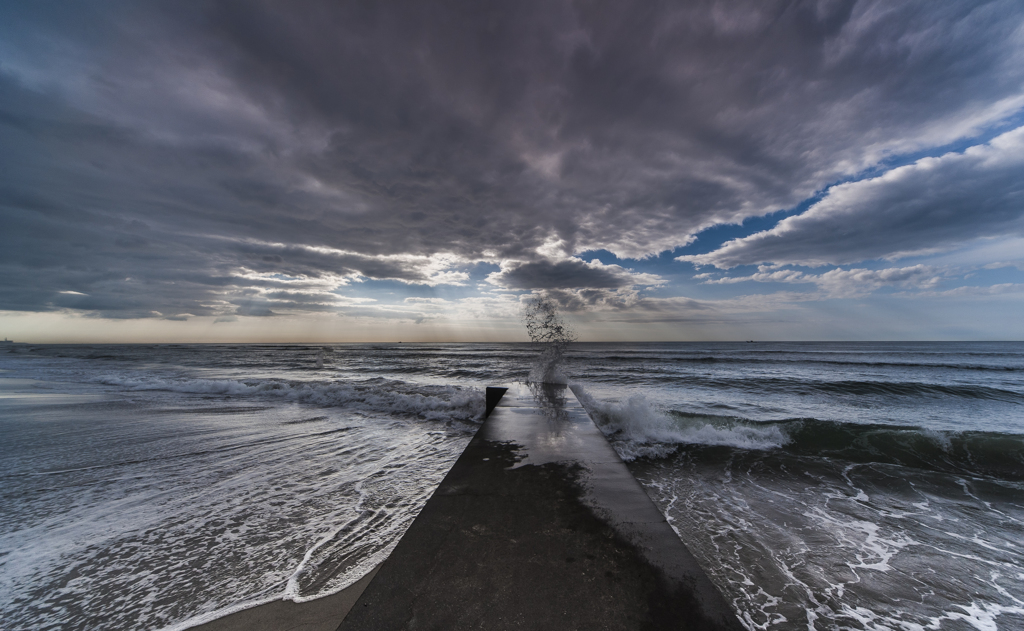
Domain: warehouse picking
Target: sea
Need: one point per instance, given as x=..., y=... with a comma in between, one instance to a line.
x=820, y=485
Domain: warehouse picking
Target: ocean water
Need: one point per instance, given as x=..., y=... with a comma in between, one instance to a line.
x=821, y=486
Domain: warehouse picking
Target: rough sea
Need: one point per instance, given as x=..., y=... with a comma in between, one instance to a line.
x=821, y=485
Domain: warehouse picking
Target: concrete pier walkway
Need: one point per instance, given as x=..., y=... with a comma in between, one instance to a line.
x=540, y=525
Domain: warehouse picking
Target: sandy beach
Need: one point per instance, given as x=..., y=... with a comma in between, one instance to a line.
x=322, y=614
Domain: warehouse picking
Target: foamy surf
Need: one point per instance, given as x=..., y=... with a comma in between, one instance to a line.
x=199, y=497
x=636, y=428
x=377, y=395
x=190, y=481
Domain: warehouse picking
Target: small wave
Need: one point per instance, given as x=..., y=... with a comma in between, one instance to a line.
x=974, y=453
x=858, y=388
x=376, y=395
x=638, y=429
x=893, y=388
x=302, y=421
x=803, y=360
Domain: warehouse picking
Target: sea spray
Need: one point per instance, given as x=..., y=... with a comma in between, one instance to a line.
x=638, y=429
x=545, y=327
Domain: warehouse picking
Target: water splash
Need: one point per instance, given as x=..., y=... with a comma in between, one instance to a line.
x=639, y=429
x=545, y=326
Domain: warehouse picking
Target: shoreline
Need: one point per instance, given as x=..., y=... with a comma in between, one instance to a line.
x=321, y=614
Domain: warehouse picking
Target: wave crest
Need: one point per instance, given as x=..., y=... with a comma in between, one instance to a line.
x=638, y=429
x=375, y=395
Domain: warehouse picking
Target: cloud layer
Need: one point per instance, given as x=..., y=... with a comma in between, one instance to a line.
x=930, y=205
x=252, y=158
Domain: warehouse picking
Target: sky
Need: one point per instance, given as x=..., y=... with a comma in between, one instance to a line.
x=315, y=171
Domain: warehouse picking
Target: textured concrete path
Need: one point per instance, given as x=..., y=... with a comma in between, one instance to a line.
x=540, y=525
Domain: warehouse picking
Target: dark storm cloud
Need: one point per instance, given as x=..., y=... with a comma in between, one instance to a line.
x=580, y=300
x=569, y=274
x=576, y=285
x=186, y=145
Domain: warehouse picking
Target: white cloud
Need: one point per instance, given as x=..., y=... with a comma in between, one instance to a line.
x=1001, y=289
x=839, y=283
x=932, y=205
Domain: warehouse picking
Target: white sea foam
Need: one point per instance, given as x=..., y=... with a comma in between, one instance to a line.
x=205, y=480
x=792, y=548
x=393, y=397
x=639, y=429
x=215, y=515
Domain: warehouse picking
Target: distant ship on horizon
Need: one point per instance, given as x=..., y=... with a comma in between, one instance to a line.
x=7, y=341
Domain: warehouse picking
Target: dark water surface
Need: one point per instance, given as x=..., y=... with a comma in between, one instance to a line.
x=822, y=486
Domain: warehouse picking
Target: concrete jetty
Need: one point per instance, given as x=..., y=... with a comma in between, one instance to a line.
x=540, y=525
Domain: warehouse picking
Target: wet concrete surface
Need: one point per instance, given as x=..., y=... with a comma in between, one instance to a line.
x=540, y=525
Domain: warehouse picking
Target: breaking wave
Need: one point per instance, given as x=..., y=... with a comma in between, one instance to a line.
x=441, y=403
x=638, y=429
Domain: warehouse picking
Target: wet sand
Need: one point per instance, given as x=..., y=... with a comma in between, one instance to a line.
x=322, y=614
